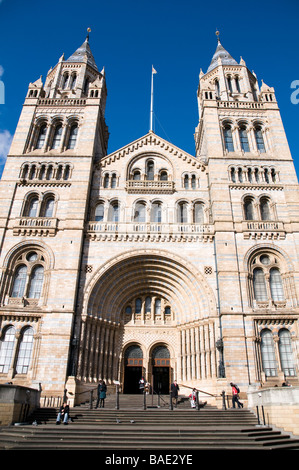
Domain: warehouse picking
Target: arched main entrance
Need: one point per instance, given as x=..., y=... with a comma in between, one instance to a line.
x=161, y=370
x=133, y=368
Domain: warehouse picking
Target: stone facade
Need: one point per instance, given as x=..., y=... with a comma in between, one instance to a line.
x=148, y=261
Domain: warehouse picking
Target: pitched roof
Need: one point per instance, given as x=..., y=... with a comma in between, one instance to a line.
x=79, y=54
x=225, y=57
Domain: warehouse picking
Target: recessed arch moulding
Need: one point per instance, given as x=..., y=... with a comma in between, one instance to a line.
x=153, y=272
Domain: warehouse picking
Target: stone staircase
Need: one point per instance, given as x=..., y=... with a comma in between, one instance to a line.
x=131, y=428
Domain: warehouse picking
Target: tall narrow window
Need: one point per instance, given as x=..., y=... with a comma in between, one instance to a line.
x=237, y=81
x=48, y=207
x=32, y=207
x=259, y=285
x=182, y=213
x=276, y=285
x=136, y=175
x=217, y=88
x=193, y=182
x=286, y=353
x=265, y=209
x=259, y=139
x=248, y=209
x=163, y=176
x=57, y=137
x=228, y=139
x=106, y=180
x=7, y=349
x=148, y=304
x=73, y=81
x=140, y=212
x=113, y=213
x=113, y=181
x=138, y=305
x=19, y=283
x=229, y=83
x=73, y=137
x=186, y=182
x=36, y=282
x=99, y=213
x=244, y=139
x=156, y=212
x=268, y=354
x=150, y=170
x=198, y=213
x=41, y=137
x=158, y=307
x=25, y=351
x=65, y=81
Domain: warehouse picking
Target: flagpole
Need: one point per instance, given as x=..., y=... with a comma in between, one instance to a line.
x=152, y=99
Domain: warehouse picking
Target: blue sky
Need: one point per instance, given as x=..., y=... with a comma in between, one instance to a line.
x=127, y=37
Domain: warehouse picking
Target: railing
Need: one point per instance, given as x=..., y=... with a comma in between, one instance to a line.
x=43, y=225
x=149, y=186
x=62, y=101
x=240, y=104
x=150, y=227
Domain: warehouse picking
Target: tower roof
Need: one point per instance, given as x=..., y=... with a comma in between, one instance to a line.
x=223, y=55
x=81, y=52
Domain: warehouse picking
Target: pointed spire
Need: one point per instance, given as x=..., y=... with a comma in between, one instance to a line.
x=221, y=56
x=83, y=52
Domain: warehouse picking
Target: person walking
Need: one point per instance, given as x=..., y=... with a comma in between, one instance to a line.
x=235, y=398
x=174, y=389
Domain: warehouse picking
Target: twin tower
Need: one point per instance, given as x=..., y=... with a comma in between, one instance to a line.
x=148, y=261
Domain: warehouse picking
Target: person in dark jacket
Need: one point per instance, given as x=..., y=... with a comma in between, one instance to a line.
x=64, y=413
x=102, y=389
x=174, y=389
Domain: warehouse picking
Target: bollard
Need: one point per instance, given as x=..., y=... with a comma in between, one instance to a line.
x=90, y=400
x=197, y=401
x=144, y=400
x=223, y=400
x=117, y=398
x=170, y=402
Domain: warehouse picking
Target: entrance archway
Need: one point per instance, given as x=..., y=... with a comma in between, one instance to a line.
x=161, y=370
x=133, y=368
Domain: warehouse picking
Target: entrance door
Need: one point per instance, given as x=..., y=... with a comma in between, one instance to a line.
x=133, y=369
x=161, y=370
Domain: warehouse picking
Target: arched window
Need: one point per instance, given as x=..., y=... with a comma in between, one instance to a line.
x=150, y=170
x=193, y=182
x=286, y=353
x=228, y=139
x=268, y=353
x=106, y=180
x=249, y=209
x=136, y=175
x=113, y=181
x=32, y=207
x=198, y=213
x=41, y=137
x=182, y=213
x=244, y=139
x=19, y=283
x=163, y=176
x=259, y=139
x=138, y=305
x=148, y=304
x=73, y=81
x=156, y=212
x=73, y=137
x=7, y=349
x=99, y=212
x=259, y=285
x=276, y=285
x=65, y=81
x=237, y=81
x=36, y=282
x=140, y=212
x=48, y=207
x=158, y=307
x=57, y=137
x=25, y=350
x=265, y=209
x=229, y=83
x=113, y=212
x=186, y=181
x=217, y=88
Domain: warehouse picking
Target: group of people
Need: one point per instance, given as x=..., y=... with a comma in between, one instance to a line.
x=64, y=411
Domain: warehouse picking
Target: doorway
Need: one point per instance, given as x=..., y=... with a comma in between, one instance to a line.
x=161, y=370
x=133, y=370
